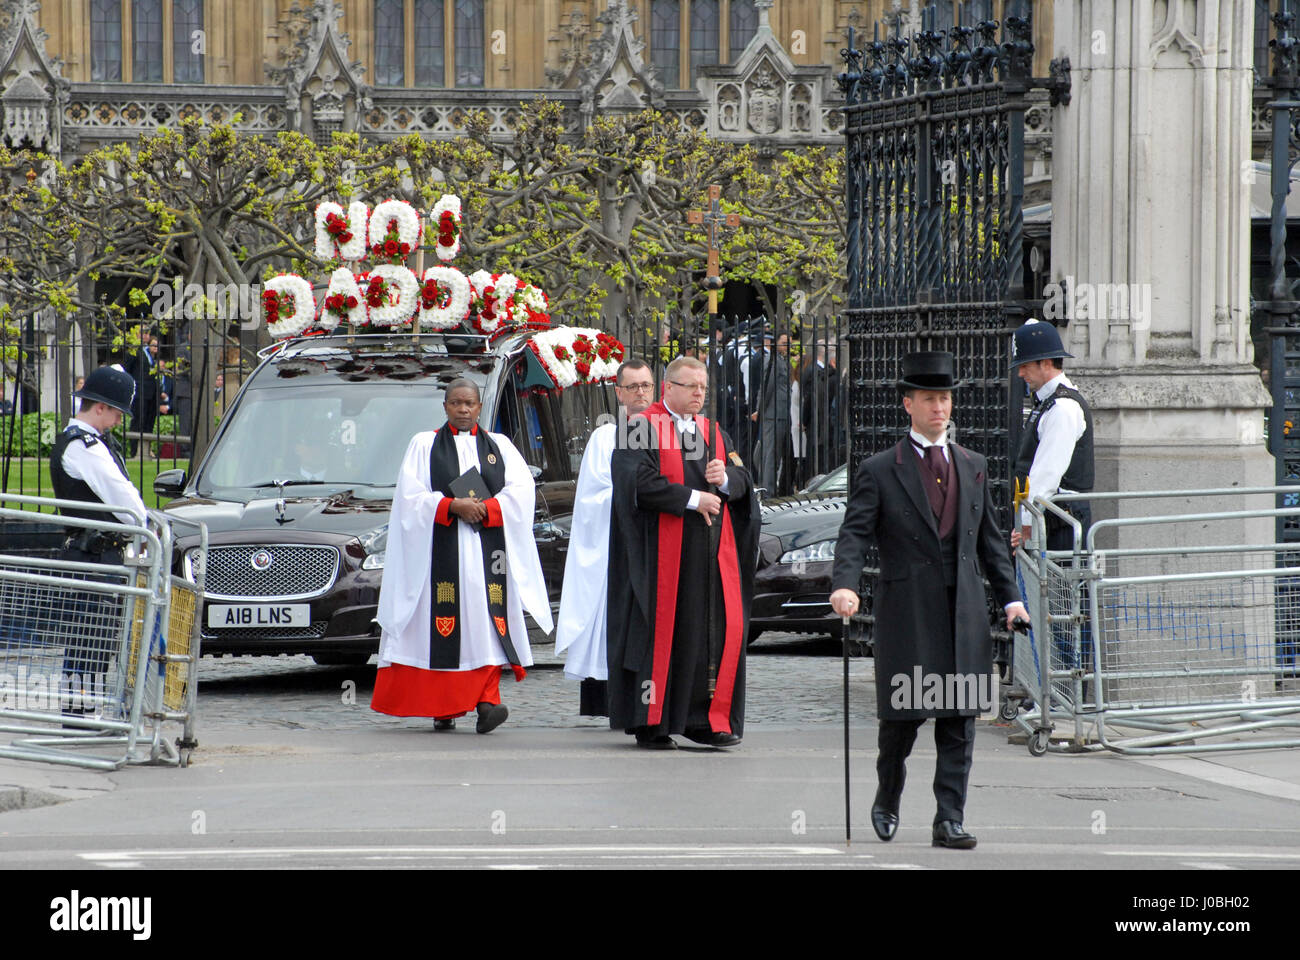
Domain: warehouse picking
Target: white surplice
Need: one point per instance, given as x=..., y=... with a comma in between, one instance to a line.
x=581, y=626
x=405, y=597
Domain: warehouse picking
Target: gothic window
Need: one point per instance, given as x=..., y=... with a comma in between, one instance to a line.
x=744, y=24
x=430, y=59
x=147, y=41
x=704, y=35
x=389, y=43
x=666, y=41
x=187, y=27
x=106, y=40
x=468, y=44
x=973, y=11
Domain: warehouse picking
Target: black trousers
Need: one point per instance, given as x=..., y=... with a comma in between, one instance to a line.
x=954, y=739
x=89, y=622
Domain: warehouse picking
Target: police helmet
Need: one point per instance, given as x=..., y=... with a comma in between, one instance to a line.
x=110, y=385
x=1036, y=340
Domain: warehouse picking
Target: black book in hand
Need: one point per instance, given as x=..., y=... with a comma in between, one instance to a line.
x=469, y=485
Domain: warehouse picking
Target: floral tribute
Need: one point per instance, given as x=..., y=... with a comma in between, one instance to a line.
x=446, y=215
x=577, y=355
x=288, y=305
x=340, y=237
x=390, y=295
x=394, y=232
x=343, y=302
x=504, y=303
x=444, y=298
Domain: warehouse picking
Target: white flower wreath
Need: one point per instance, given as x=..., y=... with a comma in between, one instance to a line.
x=357, y=217
x=401, y=281
x=342, y=283
x=457, y=286
x=448, y=202
x=408, y=223
x=304, y=305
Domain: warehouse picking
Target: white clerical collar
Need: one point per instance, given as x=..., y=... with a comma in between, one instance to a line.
x=685, y=424
x=1049, y=388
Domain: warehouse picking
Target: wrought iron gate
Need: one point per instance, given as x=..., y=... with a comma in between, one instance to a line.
x=1281, y=307
x=935, y=178
x=934, y=182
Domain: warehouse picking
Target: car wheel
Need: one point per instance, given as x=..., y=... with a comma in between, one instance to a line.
x=342, y=659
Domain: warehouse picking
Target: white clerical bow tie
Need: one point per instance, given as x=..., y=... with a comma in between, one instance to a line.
x=685, y=426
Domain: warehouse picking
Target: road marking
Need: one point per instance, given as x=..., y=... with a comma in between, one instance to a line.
x=120, y=857
x=1225, y=776
x=1203, y=865
x=1208, y=854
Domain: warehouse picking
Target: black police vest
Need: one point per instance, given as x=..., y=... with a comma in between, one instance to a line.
x=1079, y=475
x=68, y=488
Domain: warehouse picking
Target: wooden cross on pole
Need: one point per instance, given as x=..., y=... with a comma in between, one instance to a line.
x=714, y=218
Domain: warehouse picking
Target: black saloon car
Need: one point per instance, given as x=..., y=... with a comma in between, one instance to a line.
x=796, y=552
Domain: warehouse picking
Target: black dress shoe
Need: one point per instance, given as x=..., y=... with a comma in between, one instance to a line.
x=711, y=739
x=663, y=742
x=490, y=716
x=885, y=823
x=443, y=725
x=949, y=833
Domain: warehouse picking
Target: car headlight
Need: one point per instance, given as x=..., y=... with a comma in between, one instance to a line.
x=813, y=553
x=375, y=543
x=193, y=564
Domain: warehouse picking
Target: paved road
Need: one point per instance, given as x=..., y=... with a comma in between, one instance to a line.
x=791, y=680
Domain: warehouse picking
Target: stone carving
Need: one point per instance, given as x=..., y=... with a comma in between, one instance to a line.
x=324, y=91
x=575, y=54
x=32, y=92
x=764, y=115
x=615, y=76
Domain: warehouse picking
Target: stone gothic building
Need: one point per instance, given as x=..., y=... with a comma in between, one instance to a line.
x=81, y=73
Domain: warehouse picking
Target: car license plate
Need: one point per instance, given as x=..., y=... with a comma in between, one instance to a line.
x=259, y=615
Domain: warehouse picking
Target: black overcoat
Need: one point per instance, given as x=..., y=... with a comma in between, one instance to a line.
x=888, y=507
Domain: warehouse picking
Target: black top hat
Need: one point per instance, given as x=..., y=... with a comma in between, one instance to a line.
x=1036, y=340
x=929, y=370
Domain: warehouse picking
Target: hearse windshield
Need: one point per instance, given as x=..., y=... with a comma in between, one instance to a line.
x=320, y=438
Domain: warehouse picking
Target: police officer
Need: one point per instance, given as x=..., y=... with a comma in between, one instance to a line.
x=1056, y=443
x=86, y=465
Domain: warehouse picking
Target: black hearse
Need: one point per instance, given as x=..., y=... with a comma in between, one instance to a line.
x=297, y=484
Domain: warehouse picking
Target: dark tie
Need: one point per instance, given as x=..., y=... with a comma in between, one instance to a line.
x=938, y=462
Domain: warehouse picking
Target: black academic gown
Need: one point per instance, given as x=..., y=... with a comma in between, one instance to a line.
x=642, y=494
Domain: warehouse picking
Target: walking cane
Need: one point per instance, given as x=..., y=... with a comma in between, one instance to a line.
x=848, y=819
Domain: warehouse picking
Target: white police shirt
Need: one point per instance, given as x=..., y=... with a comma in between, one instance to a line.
x=96, y=466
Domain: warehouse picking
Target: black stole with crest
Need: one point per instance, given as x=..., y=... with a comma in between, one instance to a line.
x=444, y=635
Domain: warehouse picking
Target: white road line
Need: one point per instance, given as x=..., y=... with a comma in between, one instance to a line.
x=1203, y=865
x=1207, y=854
x=1225, y=776
x=107, y=857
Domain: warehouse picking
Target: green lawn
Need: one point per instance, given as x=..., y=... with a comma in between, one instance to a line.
x=31, y=477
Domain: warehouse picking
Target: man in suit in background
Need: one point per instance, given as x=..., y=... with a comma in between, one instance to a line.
x=926, y=506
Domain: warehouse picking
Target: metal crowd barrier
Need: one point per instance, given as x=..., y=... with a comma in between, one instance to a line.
x=1157, y=650
x=74, y=685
